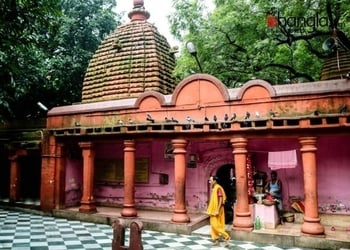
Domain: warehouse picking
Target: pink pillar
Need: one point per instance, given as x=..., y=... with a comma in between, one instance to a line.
x=180, y=212
x=311, y=225
x=242, y=219
x=87, y=203
x=129, y=209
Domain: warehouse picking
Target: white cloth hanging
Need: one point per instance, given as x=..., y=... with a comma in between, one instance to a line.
x=282, y=159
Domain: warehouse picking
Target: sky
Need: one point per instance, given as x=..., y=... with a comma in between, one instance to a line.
x=158, y=9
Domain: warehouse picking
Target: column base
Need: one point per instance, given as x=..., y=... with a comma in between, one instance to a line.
x=246, y=229
x=243, y=222
x=180, y=216
x=312, y=227
x=87, y=207
x=128, y=211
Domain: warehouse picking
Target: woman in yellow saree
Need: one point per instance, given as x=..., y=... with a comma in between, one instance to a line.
x=216, y=212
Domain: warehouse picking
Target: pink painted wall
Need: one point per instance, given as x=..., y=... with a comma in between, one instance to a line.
x=333, y=161
x=74, y=181
x=334, y=174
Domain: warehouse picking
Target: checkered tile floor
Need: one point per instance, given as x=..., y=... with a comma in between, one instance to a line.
x=19, y=230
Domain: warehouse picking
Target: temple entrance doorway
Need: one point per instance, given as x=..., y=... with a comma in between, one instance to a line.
x=227, y=180
x=30, y=179
x=4, y=174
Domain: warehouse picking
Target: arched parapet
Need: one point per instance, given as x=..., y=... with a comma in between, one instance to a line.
x=150, y=99
x=256, y=89
x=199, y=88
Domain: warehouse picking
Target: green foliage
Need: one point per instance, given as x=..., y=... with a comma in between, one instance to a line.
x=235, y=44
x=83, y=25
x=45, y=49
x=24, y=28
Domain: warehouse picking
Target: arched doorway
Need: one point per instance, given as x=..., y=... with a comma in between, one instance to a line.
x=30, y=180
x=4, y=173
x=227, y=180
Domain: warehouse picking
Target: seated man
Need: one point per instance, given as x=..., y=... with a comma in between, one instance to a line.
x=273, y=187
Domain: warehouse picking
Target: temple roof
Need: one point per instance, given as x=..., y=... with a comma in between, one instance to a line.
x=337, y=64
x=230, y=96
x=133, y=59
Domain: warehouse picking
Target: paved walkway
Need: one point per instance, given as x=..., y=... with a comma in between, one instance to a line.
x=26, y=231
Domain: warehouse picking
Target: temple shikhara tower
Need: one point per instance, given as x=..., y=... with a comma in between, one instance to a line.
x=135, y=58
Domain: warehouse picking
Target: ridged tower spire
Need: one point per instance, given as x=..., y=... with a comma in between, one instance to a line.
x=133, y=59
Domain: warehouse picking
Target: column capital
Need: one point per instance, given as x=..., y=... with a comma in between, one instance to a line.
x=308, y=143
x=129, y=145
x=129, y=142
x=239, y=145
x=86, y=145
x=179, y=146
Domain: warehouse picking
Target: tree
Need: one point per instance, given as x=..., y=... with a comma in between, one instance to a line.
x=24, y=27
x=45, y=50
x=83, y=25
x=277, y=41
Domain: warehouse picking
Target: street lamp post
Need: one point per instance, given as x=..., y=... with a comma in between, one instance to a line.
x=192, y=50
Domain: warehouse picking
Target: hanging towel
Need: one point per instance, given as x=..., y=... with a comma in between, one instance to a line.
x=282, y=159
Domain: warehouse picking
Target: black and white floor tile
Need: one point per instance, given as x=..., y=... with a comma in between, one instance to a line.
x=26, y=231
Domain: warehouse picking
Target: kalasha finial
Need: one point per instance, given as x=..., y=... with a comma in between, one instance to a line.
x=138, y=13
x=138, y=4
